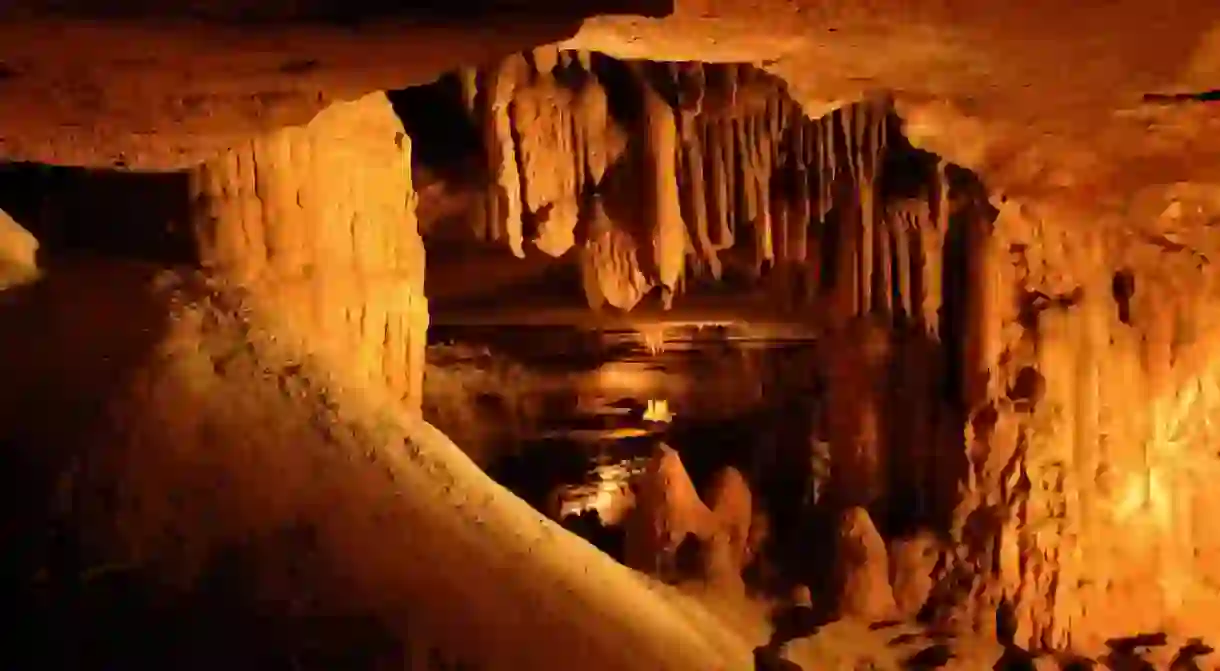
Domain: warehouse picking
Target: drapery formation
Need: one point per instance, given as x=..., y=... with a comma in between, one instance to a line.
x=659, y=173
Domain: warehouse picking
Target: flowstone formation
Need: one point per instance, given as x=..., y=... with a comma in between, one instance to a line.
x=317, y=225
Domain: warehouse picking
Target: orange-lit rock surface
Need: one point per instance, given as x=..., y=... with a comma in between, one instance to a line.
x=732, y=507
x=18, y=250
x=317, y=225
x=667, y=511
x=222, y=439
x=1070, y=460
x=862, y=578
x=913, y=563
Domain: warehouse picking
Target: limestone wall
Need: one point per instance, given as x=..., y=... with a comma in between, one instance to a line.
x=1086, y=510
x=317, y=224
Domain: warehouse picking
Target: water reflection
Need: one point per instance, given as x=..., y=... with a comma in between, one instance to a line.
x=606, y=398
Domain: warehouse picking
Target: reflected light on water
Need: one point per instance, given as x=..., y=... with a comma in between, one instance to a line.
x=658, y=411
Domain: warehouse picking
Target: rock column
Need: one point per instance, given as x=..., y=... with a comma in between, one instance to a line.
x=317, y=225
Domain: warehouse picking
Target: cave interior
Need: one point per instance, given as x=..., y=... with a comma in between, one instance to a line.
x=661, y=355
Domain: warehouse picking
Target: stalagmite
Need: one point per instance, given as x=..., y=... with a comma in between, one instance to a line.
x=862, y=582
x=732, y=508
x=668, y=509
x=668, y=230
x=317, y=224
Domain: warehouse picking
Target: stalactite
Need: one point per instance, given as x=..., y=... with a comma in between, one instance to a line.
x=696, y=195
x=578, y=130
x=932, y=239
x=822, y=173
x=549, y=174
x=604, y=141
x=900, y=231
x=743, y=156
x=780, y=222
x=668, y=229
x=733, y=179
x=775, y=110
x=546, y=59
x=763, y=230
x=931, y=244
x=860, y=126
x=470, y=87
x=585, y=59
x=718, y=168
x=610, y=265
x=505, y=207
x=798, y=212
x=693, y=89
x=746, y=172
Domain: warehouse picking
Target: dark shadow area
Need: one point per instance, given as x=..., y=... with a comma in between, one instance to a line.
x=445, y=137
x=767, y=658
x=142, y=216
x=1178, y=98
x=931, y=657
x=1126, y=653
x=1187, y=655
x=69, y=343
x=1014, y=658
x=129, y=619
x=793, y=622
x=354, y=13
x=1123, y=289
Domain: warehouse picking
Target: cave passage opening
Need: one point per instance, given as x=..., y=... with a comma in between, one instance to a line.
x=785, y=244
x=117, y=214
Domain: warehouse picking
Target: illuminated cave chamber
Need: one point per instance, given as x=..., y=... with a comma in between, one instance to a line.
x=604, y=234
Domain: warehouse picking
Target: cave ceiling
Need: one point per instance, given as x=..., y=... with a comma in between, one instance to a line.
x=1097, y=109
